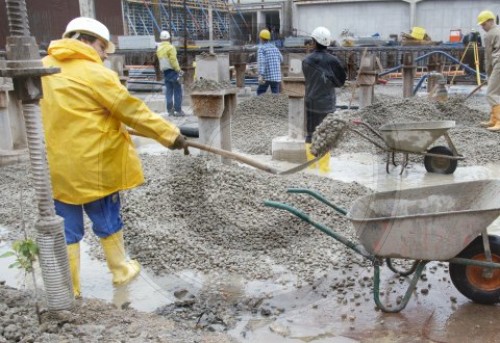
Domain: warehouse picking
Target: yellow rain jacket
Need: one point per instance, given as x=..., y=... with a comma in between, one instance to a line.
x=85, y=110
x=167, y=56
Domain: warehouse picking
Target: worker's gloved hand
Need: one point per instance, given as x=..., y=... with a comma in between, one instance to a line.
x=261, y=80
x=179, y=143
x=180, y=76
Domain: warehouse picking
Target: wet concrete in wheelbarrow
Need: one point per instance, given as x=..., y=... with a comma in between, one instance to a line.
x=217, y=261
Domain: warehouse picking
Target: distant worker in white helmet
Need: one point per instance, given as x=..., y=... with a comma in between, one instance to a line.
x=269, y=60
x=486, y=19
x=172, y=73
x=322, y=72
x=85, y=112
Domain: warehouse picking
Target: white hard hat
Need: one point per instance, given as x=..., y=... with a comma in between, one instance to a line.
x=164, y=35
x=91, y=27
x=321, y=35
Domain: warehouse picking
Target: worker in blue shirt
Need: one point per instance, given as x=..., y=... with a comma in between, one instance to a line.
x=269, y=60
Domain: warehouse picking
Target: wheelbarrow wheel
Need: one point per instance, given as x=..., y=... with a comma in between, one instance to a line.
x=469, y=280
x=401, y=267
x=440, y=165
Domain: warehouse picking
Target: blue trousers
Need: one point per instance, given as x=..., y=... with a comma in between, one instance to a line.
x=173, y=90
x=275, y=87
x=104, y=214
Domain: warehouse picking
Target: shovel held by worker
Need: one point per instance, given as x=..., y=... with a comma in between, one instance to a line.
x=475, y=90
x=239, y=158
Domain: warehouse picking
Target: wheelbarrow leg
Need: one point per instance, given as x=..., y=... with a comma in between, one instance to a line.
x=450, y=144
x=487, y=272
x=387, y=161
x=409, y=291
x=404, y=165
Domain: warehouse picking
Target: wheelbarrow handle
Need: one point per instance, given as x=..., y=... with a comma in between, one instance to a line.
x=318, y=197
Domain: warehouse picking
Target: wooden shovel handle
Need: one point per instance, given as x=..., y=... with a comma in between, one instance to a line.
x=232, y=155
x=220, y=152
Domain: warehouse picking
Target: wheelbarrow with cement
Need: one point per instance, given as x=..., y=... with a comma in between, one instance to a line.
x=415, y=138
x=437, y=223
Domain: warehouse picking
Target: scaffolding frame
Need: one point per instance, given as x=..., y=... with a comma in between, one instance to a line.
x=141, y=20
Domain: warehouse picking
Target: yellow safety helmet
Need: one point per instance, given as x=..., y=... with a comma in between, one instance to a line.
x=265, y=34
x=484, y=16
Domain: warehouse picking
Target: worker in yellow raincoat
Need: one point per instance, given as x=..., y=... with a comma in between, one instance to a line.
x=172, y=75
x=91, y=157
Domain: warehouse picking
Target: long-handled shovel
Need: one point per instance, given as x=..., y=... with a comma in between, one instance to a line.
x=474, y=91
x=240, y=158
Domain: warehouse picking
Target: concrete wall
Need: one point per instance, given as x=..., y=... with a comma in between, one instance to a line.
x=439, y=17
x=365, y=18
x=361, y=18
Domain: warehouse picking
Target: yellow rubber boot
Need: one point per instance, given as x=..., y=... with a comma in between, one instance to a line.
x=489, y=123
x=324, y=163
x=496, y=114
x=123, y=271
x=74, y=267
x=310, y=156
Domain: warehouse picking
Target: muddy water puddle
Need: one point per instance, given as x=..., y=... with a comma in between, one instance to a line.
x=317, y=312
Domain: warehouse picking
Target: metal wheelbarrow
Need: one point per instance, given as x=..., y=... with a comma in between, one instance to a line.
x=416, y=138
x=438, y=223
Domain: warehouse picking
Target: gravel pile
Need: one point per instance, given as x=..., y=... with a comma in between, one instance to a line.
x=260, y=119
x=90, y=321
x=206, y=216
x=195, y=213
x=257, y=121
x=203, y=85
x=478, y=145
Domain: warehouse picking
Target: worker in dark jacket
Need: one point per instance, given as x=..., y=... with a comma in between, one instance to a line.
x=322, y=72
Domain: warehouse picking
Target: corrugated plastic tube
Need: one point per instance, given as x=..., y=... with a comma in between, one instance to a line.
x=50, y=238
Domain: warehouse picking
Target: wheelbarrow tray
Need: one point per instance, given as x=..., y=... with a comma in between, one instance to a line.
x=414, y=137
x=430, y=223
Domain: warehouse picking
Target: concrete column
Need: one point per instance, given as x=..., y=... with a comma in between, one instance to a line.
x=291, y=148
x=261, y=22
x=434, y=63
x=296, y=117
x=214, y=110
x=16, y=118
x=87, y=8
x=286, y=18
x=366, y=80
x=413, y=12
x=240, y=74
x=6, y=141
x=409, y=69
x=12, y=131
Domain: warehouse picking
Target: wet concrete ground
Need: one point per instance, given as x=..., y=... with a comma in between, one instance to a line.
x=310, y=313
x=440, y=315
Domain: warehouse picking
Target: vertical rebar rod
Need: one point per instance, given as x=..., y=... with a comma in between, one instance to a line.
x=50, y=238
x=17, y=16
x=39, y=170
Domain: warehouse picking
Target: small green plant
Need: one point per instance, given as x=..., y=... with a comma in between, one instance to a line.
x=26, y=252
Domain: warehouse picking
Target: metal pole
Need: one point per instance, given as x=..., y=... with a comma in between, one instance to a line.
x=171, y=21
x=157, y=17
x=408, y=74
x=210, y=30
x=184, y=59
x=25, y=68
